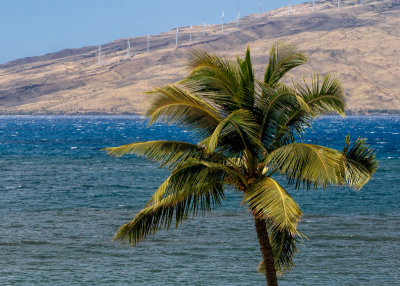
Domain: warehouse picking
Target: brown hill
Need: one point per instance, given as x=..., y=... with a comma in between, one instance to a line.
x=358, y=43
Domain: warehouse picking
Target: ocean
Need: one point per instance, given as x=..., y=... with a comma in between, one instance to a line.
x=62, y=199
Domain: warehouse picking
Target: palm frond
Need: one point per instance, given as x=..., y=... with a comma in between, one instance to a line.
x=168, y=153
x=282, y=58
x=161, y=214
x=321, y=99
x=284, y=246
x=308, y=164
x=160, y=192
x=246, y=73
x=216, y=79
x=196, y=186
x=317, y=166
x=191, y=171
x=239, y=124
x=275, y=105
x=175, y=105
x=360, y=163
x=270, y=201
x=325, y=98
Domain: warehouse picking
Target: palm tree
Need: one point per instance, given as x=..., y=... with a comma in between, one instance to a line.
x=248, y=132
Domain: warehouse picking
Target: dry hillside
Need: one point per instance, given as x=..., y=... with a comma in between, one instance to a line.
x=358, y=43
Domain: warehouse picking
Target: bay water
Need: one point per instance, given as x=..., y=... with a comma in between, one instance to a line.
x=62, y=199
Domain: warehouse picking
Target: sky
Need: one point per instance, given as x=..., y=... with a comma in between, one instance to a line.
x=37, y=27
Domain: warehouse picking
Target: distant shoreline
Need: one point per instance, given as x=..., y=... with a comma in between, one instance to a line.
x=77, y=114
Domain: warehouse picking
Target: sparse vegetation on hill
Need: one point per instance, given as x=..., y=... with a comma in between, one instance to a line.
x=359, y=43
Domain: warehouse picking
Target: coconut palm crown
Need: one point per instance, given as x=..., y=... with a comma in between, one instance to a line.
x=249, y=132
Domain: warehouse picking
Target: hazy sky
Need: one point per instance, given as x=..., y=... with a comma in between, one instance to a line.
x=36, y=27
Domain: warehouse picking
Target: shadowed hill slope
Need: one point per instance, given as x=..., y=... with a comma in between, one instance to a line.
x=358, y=43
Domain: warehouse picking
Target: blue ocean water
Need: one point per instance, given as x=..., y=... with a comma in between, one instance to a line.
x=62, y=199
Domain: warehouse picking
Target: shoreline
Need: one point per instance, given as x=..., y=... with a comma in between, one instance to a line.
x=100, y=114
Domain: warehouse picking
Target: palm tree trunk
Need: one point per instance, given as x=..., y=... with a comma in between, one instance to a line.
x=266, y=251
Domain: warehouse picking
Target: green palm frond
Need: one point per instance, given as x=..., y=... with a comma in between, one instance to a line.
x=230, y=174
x=270, y=201
x=239, y=124
x=168, y=153
x=197, y=186
x=160, y=192
x=325, y=98
x=308, y=164
x=186, y=173
x=284, y=246
x=278, y=98
x=173, y=104
x=317, y=166
x=360, y=163
x=321, y=99
x=161, y=214
x=246, y=72
x=216, y=79
x=275, y=106
x=282, y=58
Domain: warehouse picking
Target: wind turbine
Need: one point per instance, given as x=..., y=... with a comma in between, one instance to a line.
x=313, y=6
x=259, y=11
x=99, y=54
x=204, y=26
x=128, y=50
x=338, y=3
x=223, y=15
x=237, y=18
x=290, y=2
x=176, y=36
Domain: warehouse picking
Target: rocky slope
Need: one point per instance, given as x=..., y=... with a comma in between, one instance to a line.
x=358, y=43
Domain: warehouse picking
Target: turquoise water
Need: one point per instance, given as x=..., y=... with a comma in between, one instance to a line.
x=62, y=199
